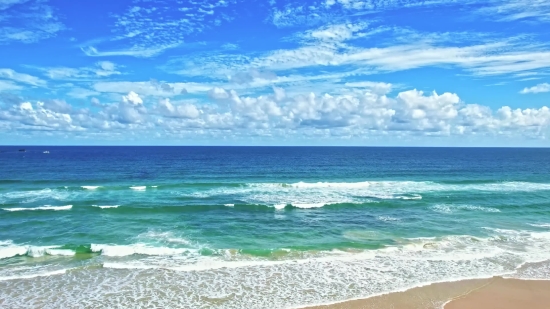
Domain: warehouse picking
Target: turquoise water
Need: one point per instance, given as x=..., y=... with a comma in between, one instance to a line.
x=263, y=227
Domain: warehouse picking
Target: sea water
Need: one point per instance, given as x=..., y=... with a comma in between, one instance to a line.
x=263, y=227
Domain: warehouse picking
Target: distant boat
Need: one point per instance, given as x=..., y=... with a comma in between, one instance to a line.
x=46, y=151
x=22, y=150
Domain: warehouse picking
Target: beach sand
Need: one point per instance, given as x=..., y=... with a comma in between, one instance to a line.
x=490, y=293
x=506, y=294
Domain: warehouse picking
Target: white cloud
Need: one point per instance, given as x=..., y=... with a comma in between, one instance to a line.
x=27, y=21
x=335, y=47
x=100, y=69
x=514, y=10
x=148, y=28
x=81, y=93
x=376, y=87
x=5, y=4
x=218, y=93
x=150, y=88
x=355, y=115
x=544, y=87
x=21, y=78
x=134, y=51
x=6, y=85
x=185, y=110
x=132, y=98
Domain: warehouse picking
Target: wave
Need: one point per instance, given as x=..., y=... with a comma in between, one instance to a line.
x=448, y=209
x=345, y=273
x=90, y=187
x=140, y=249
x=47, y=207
x=106, y=206
x=319, y=194
x=407, y=186
x=33, y=195
x=387, y=219
x=8, y=250
x=139, y=188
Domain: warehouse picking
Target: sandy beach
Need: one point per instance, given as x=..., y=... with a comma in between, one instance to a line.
x=490, y=293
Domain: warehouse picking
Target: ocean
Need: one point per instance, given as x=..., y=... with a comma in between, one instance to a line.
x=263, y=227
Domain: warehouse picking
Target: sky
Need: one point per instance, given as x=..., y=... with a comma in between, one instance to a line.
x=275, y=72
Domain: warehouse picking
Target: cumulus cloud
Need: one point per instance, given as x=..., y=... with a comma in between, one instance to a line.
x=544, y=87
x=132, y=98
x=278, y=114
x=218, y=93
x=185, y=110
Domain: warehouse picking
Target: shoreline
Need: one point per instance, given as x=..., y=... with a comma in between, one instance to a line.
x=494, y=292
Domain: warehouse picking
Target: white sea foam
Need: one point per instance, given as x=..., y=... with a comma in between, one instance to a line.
x=229, y=205
x=33, y=195
x=448, y=209
x=540, y=224
x=478, y=208
x=90, y=187
x=35, y=275
x=163, y=237
x=308, y=205
x=106, y=206
x=354, y=192
x=142, y=249
x=139, y=188
x=336, y=275
x=46, y=207
x=8, y=249
x=386, y=218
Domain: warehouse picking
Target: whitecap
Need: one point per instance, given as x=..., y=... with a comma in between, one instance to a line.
x=8, y=249
x=229, y=205
x=386, y=218
x=308, y=205
x=138, y=188
x=106, y=206
x=447, y=209
x=163, y=237
x=478, y=208
x=46, y=207
x=142, y=249
x=90, y=187
x=33, y=195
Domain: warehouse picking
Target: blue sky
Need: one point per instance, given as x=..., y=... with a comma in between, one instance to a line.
x=232, y=72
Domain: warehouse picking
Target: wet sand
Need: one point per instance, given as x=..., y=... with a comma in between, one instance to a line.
x=506, y=294
x=490, y=293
